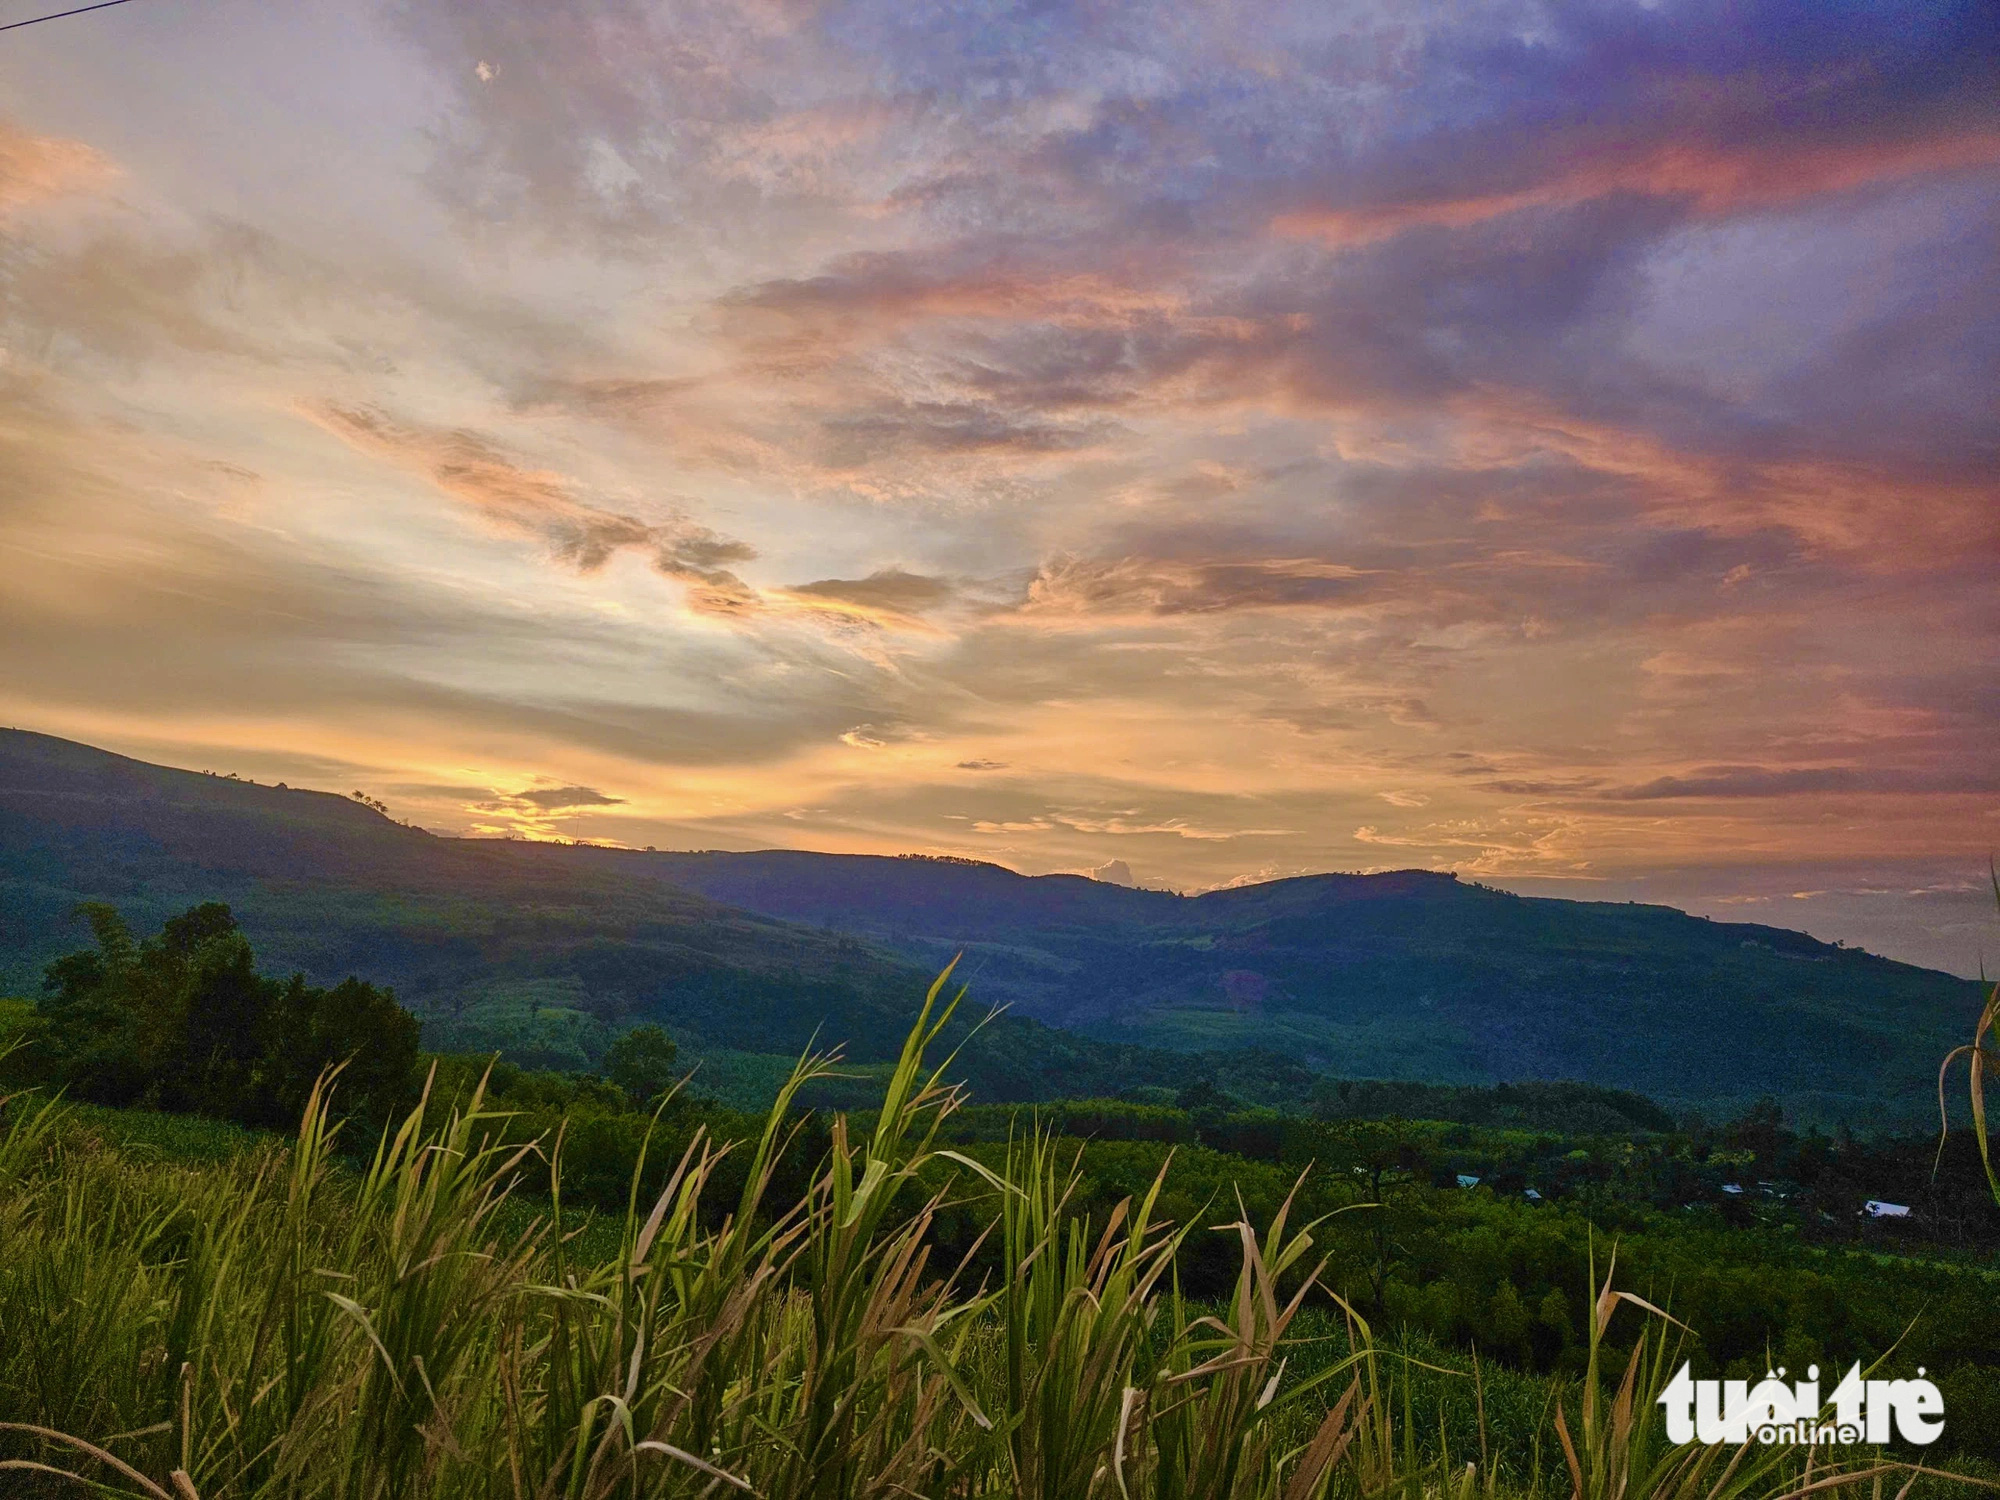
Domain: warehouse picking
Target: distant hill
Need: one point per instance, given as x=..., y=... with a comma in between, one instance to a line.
x=1410, y=975
x=497, y=945
x=1407, y=975
x=490, y=939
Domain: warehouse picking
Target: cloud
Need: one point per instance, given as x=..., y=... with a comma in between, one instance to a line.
x=36, y=168
x=1711, y=178
x=1793, y=781
x=538, y=812
x=888, y=596
x=1159, y=586
x=945, y=427
x=541, y=504
x=1576, y=424
x=1568, y=786
x=557, y=798
x=1503, y=844
x=1668, y=104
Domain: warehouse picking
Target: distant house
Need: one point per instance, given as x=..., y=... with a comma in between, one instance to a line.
x=1532, y=1196
x=1467, y=1182
x=1734, y=1189
x=1875, y=1208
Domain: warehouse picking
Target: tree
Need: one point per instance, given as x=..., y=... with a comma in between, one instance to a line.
x=356, y=1025
x=212, y=1012
x=184, y=1022
x=88, y=1031
x=1386, y=1160
x=1506, y=1330
x=641, y=1062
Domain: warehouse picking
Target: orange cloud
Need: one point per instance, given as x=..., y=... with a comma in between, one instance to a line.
x=34, y=167
x=1145, y=586
x=1878, y=517
x=877, y=287
x=541, y=504
x=1716, y=180
x=538, y=503
x=889, y=598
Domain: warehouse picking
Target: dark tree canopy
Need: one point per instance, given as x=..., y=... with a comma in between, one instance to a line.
x=641, y=1062
x=183, y=1021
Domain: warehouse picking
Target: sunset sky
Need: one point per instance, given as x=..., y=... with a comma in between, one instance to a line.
x=1556, y=442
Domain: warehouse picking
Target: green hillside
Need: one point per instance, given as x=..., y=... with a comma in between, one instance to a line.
x=1408, y=975
x=485, y=940
x=549, y=951
x=522, y=948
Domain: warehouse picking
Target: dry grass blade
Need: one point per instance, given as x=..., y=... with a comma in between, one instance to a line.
x=1569, y=1454
x=1329, y=1443
x=89, y=1450
x=1979, y=1052
x=681, y=1455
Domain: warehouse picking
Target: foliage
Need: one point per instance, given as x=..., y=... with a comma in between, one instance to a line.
x=274, y=1326
x=1793, y=1266
x=641, y=1062
x=1573, y=1108
x=184, y=1022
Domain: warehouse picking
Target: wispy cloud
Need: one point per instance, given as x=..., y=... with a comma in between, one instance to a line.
x=541, y=504
x=1554, y=445
x=1795, y=781
x=36, y=168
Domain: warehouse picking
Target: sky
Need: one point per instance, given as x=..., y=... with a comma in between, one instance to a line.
x=1200, y=443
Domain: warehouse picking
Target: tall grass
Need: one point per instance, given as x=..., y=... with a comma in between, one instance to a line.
x=1982, y=1054
x=277, y=1325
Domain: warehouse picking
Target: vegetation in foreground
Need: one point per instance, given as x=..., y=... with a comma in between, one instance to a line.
x=274, y=1325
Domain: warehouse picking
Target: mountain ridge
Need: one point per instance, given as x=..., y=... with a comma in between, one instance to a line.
x=1411, y=974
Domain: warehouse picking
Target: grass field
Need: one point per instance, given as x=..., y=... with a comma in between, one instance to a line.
x=198, y=1311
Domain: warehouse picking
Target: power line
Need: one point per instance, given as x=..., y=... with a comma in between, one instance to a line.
x=101, y=5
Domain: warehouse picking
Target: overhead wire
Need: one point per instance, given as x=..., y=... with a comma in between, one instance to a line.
x=58, y=15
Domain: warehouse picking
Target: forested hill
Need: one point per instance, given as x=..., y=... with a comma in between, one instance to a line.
x=494, y=943
x=1409, y=975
